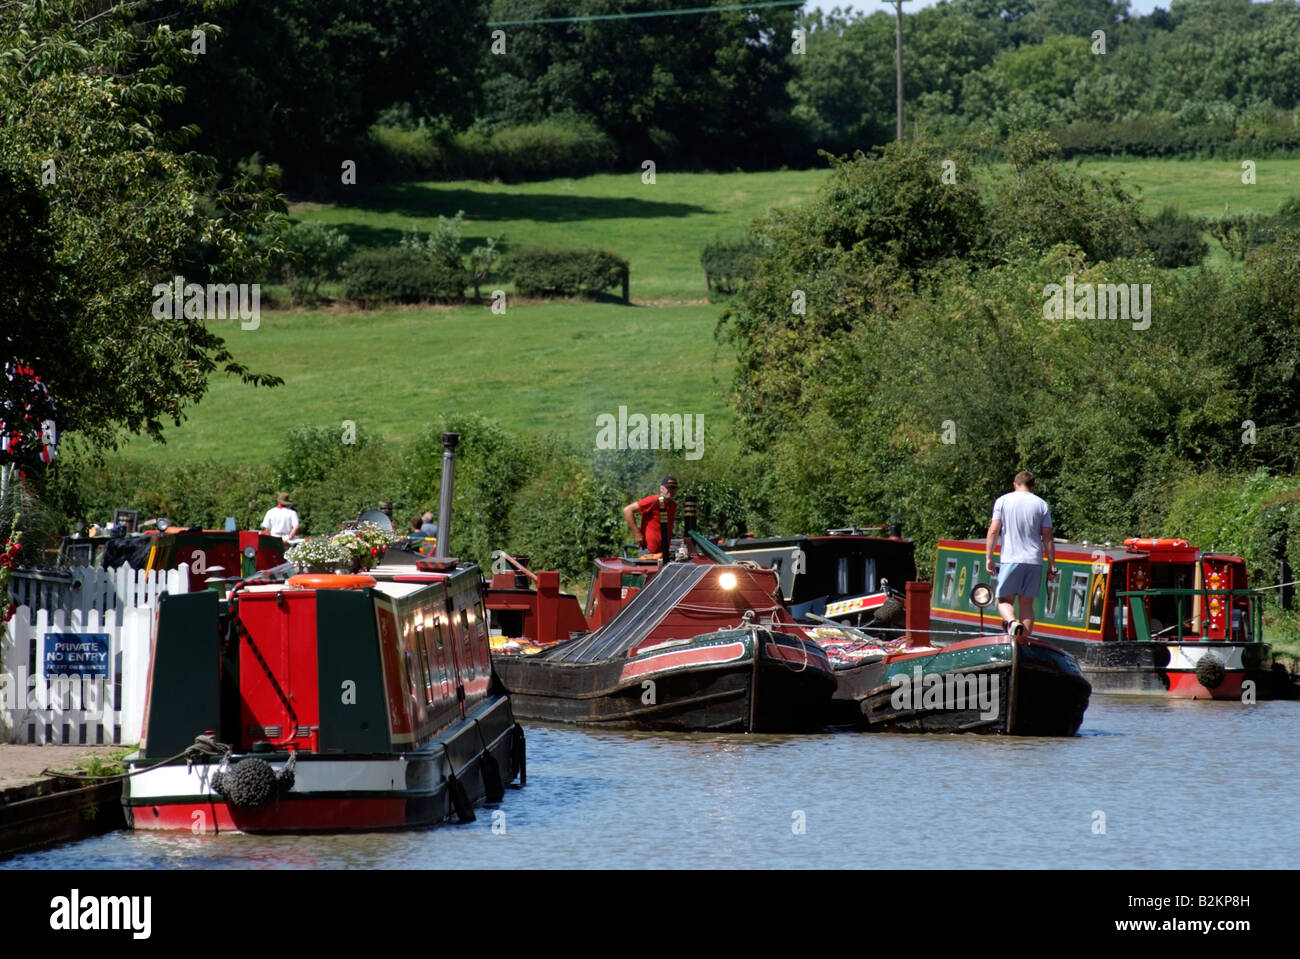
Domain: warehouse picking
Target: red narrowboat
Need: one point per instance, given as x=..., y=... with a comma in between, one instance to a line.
x=326, y=703
x=700, y=647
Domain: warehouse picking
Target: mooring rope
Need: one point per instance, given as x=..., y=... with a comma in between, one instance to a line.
x=202, y=746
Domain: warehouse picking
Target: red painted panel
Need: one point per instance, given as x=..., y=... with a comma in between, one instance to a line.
x=282, y=627
x=298, y=814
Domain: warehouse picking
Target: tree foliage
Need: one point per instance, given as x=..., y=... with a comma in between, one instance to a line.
x=101, y=203
x=918, y=382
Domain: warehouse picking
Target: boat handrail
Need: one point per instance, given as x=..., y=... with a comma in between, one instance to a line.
x=1254, y=627
x=502, y=554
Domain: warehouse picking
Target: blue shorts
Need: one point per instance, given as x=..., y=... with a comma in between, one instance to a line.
x=1019, y=579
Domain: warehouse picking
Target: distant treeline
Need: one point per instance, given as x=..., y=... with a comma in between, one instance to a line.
x=406, y=87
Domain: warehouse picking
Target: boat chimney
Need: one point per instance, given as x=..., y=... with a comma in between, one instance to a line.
x=449, y=441
x=690, y=511
x=917, y=607
x=895, y=527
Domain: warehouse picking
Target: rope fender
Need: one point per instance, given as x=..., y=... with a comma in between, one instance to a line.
x=251, y=783
x=1210, y=672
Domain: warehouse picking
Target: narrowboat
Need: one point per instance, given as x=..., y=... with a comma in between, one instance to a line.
x=998, y=684
x=843, y=574
x=700, y=646
x=238, y=553
x=1155, y=617
x=324, y=703
x=1035, y=689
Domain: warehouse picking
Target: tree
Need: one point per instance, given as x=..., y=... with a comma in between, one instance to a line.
x=302, y=81
x=101, y=206
x=708, y=88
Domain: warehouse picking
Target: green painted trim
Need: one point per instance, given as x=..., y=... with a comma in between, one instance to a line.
x=184, y=681
x=347, y=650
x=993, y=654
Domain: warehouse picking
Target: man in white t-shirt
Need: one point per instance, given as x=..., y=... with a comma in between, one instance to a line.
x=280, y=520
x=1025, y=525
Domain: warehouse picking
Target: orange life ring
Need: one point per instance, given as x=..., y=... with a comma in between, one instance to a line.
x=331, y=581
x=1155, y=544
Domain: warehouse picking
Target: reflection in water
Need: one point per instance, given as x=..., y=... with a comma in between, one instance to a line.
x=1181, y=785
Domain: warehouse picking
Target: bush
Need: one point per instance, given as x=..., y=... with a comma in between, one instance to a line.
x=1251, y=515
x=400, y=274
x=555, y=147
x=1175, y=239
x=195, y=494
x=314, y=252
x=538, y=271
x=564, y=518
x=1271, y=228
x=729, y=264
x=1233, y=230
x=491, y=465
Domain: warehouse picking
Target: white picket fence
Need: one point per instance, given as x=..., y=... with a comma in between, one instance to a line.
x=85, y=588
x=78, y=674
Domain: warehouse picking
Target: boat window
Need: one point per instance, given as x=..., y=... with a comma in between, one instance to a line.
x=1053, y=597
x=427, y=673
x=410, y=674
x=949, y=578
x=842, y=575
x=472, y=665
x=440, y=657
x=869, y=575
x=1078, y=595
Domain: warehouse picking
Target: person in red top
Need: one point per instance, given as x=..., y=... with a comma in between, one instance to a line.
x=647, y=537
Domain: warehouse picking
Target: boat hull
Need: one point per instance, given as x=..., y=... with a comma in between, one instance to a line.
x=445, y=778
x=1170, y=670
x=709, y=683
x=981, y=686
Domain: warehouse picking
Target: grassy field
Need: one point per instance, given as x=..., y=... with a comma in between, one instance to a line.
x=555, y=366
x=660, y=228
x=550, y=367
x=1205, y=187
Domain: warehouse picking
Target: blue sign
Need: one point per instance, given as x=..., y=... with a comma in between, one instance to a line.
x=76, y=654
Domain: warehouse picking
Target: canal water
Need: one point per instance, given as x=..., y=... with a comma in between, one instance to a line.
x=1146, y=784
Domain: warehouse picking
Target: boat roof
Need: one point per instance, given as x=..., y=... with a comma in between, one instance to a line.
x=631, y=624
x=386, y=586
x=747, y=542
x=1067, y=549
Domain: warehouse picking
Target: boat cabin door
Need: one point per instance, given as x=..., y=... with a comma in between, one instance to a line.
x=1137, y=576
x=1225, y=617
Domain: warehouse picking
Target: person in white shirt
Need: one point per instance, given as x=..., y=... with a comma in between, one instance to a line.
x=280, y=520
x=1024, y=522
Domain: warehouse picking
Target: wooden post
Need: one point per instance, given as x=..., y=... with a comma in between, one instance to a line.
x=548, y=606
x=917, y=607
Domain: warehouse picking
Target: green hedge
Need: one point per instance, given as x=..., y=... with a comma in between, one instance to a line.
x=1162, y=135
x=1175, y=239
x=538, y=271
x=730, y=264
x=557, y=147
x=394, y=273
